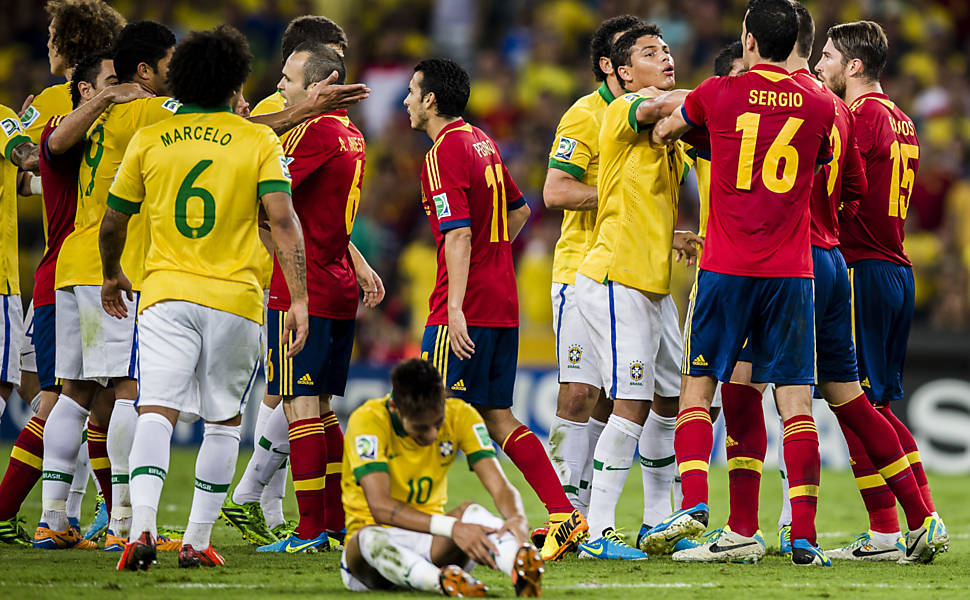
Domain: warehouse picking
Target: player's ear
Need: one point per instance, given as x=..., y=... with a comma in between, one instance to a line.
x=428, y=100
x=749, y=43
x=623, y=74
x=606, y=65
x=854, y=68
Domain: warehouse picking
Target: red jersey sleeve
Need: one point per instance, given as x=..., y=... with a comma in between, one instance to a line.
x=854, y=182
x=307, y=151
x=448, y=182
x=698, y=102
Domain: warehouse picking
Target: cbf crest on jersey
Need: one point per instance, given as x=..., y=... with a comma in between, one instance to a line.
x=566, y=148
x=366, y=446
x=636, y=372
x=445, y=448
x=575, y=356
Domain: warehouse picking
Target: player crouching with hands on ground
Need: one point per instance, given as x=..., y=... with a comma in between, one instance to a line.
x=397, y=454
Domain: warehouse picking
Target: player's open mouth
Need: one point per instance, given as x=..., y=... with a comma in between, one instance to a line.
x=669, y=72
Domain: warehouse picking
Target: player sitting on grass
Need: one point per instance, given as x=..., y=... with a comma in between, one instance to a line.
x=397, y=454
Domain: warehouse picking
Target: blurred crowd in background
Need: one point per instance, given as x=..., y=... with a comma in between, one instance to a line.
x=529, y=61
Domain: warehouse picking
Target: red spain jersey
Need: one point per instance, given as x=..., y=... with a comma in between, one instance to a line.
x=840, y=184
x=326, y=161
x=767, y=136
x=887, y=143
x=464, y=183
x=58, y=176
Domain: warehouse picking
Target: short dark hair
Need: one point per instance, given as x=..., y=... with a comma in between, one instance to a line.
x=321, y=62
x=416, y=387
x=312, y=28
x=864, y=40
x=82, y=27
x=806, y=30
x=449, y=83
x=774, y=25
x=208, y=66
x=724, y=60
x=602, y=41
x=142, y=42
x=623, y=47
x=87, y=69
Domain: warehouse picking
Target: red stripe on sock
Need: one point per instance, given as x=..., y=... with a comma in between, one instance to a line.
x=526, y=452
x=308, y=460
x=908, y=443
x=747, y=438
x=334, y=517
x=98, y=448
x=20, y=477
x=693, y=440
x=803, y=464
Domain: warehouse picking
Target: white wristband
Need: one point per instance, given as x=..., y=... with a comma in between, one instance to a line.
x=442, y=525
x=35, y=188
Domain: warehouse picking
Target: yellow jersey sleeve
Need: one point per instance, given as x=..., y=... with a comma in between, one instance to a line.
x=620, y=119
x=472, y=435
x=127, y=191
x=54, y=101
x=274, y=174
x=11, y=132
x=368, y=436
x=575, y=144
x=270, y=104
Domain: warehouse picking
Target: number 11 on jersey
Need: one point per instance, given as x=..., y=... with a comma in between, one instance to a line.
x=495, y=181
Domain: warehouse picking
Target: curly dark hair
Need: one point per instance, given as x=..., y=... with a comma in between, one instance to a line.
x=82, y=27
x=448, y=81
x=209, y=66
x=88, y=69
x=774, y=25
x=142, y=42
x=416, y=387
x=623, y=48
x=312, y=28
x=602, y=41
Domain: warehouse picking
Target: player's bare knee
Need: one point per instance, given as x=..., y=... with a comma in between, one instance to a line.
x=169, y=413
x=576, y=403
x=666, y=406
x=632, y=410
x=459, y=510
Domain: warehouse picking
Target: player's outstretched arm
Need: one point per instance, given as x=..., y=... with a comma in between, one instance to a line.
x=75, y=124
x=517, y=220
x=367, y=278
x=507, y=499
x=324, y=96
x=652, y=110
x=458, y=251
x=111, y=240
x=291, y=254
x=562, y=191
x=671, y=128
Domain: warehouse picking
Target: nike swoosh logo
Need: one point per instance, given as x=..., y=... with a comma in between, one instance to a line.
x=860, y=552
x=609, y=468
x=715, y=548
x=911, y=548
x=590, y=550
x=298, y=548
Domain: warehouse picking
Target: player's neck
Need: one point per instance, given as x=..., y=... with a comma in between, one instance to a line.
x=437, y=123
x=615, y=88
x=757, y=59
x=797, y=63
x=855, y=88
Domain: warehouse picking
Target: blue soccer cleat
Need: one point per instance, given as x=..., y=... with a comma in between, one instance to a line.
x=610, y=546
x=687, y=523
x=803, y=553
x=100, y=524
x=784, y=541
x=294, y=545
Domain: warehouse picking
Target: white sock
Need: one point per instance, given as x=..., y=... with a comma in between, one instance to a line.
x=82, y=470
x=271, y=450
x=594, y=429
x=62, y=438
x=885, y=539
x=611, y=465
x=401, y=566
x=658, y=466
x=506, y=544
x=569, y=453
x=678, y=492
x=214, y=469
x=261, y=417
x=149, y=465
x=271, y=501
x=785, y=518
x=121, y=432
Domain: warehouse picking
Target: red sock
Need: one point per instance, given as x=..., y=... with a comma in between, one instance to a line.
x=308, y=464
x=334, y=516
x=746, y=445
x=883, y=448
x=527, y=453
x=803, y=463
x=912, y=455
x=98, y=455
x=876, y=495
x=693, y=442
x=24, y=469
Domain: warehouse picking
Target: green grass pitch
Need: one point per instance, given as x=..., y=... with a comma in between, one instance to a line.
x=26, y=573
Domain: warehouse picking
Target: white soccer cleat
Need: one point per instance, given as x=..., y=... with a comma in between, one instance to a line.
x=866, y=547
x=727, y=546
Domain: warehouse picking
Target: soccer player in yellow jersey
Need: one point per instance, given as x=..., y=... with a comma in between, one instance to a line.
x=623, y=284
x=201, y=304
x=571, y=187
x=397, y=455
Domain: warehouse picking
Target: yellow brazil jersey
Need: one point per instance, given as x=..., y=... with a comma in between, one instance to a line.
x=576, y=151
x=79, y=262
x=375, y=441
x=197, y=178
x=638, y=191
x=270, y=104
x=11, y=136
x=54, y=101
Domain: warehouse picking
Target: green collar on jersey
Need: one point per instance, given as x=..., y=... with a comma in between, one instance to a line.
x=195, y=108
x=604, y=91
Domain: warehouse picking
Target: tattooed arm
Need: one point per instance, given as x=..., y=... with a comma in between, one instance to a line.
x=114, y=232
x=291, y=254
x=26, y=156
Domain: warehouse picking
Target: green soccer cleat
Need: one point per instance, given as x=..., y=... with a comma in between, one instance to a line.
x=12, y=532
x=248, y=519
x=285, y=529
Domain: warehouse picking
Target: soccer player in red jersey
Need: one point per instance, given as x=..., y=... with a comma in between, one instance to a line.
x=476, y=210
x=881, y=275
x=767, y=138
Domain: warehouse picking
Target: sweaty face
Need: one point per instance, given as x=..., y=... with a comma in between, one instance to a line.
x=831, y=68
x=291, y=85
x=650, y=64
x=106, y=76
x=414, y=103
x=423, y=429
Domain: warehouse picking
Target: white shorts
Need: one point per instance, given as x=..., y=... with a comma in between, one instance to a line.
x=258, y=390
x=636, y=339
x=196, y=360
x=577, y=363
x=11, y=337
x=28, y=357
x=91, y=344
x=415, y=541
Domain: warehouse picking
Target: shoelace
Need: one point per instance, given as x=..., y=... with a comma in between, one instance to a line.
x=712, y=535
x=616, y=536
x=859, y=541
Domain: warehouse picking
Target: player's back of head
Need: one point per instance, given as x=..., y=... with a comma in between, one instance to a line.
x=142, y=42
x=320, y=62
x=774, y=26
x=87, y=70
x=806, y=31
x=448, y=82
x=416, y=388
x=601, y=43
x=724, y=61
x=863, y=40
x=82, y=27
x=313, y=28
x=208, y=67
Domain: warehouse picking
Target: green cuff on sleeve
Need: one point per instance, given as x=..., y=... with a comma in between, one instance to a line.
x=575, y=171
x=368, y=468
x=474, y=457
x=122, y=205
x=632, y=115
x=272, y=185
x=13, y=143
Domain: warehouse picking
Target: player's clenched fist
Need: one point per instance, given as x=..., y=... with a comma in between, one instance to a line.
x=473, y=541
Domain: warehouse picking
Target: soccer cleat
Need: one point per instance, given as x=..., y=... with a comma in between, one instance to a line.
x=866, y=547
x=538, y=535
x=190, y=558
x=725, y=546
x=687, y=523
x=610, y=546
x=455, y=581
x=46, y=538
x=293, y=544
x=805, y=554
x=139, y=554
x=100, y=523
x=12, y=532
x=563, y=535
x=285, y=529
x=248, y=519
x=114, y=543
x=166, y=544
x=337, y=537
x=921, y=545
x=527, y=570
x=784, y=541
x=682, y=544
